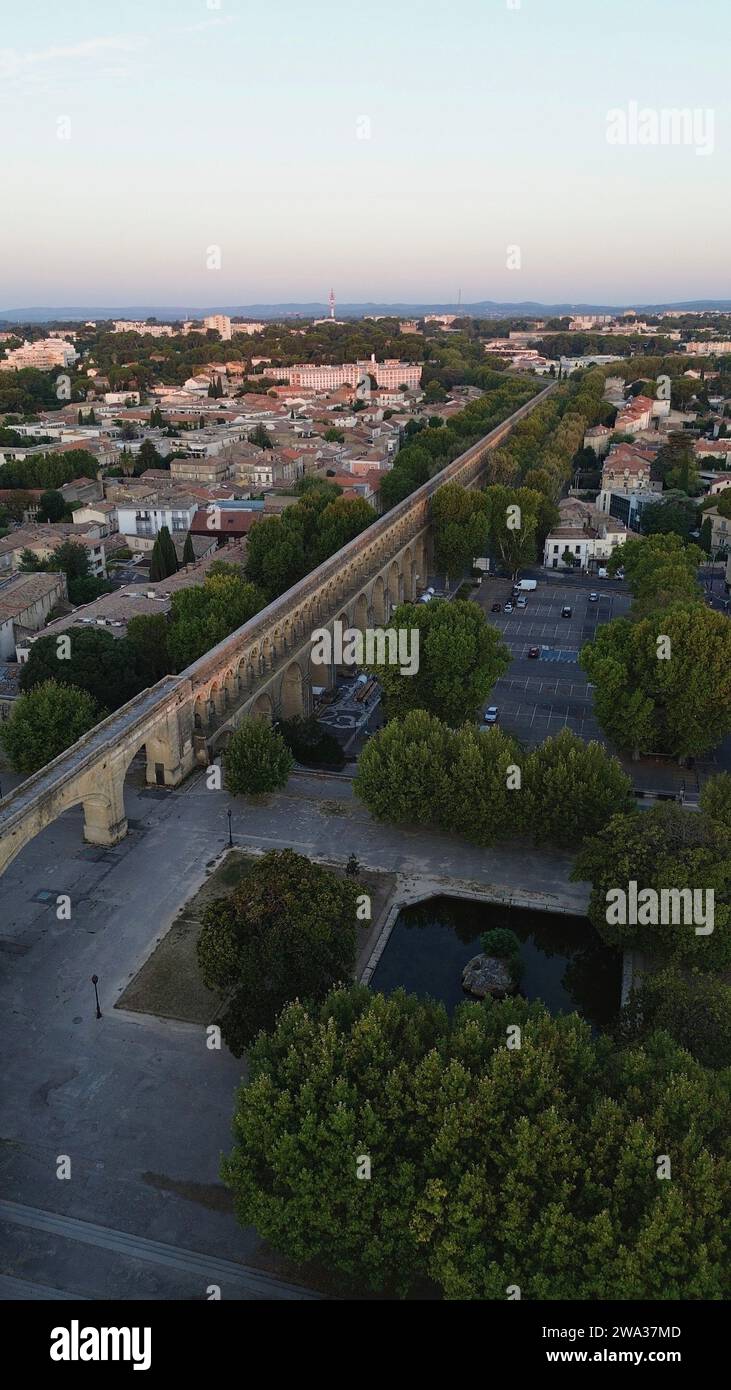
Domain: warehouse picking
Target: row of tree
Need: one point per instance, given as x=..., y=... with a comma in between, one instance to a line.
x=481, y=784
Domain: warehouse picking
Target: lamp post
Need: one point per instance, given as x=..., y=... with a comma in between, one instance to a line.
x=230, y=836
x=95, y=982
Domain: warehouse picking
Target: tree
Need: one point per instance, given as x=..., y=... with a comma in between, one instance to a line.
x=148, y=457
x=287, y=931
x=676, y=465
x=334, y=436
x=46, y=721
x=460, y=527
x=89, y=659
x=663, y=684
x=674, y=513
x=664, y=848
x=460, y=657
x=204, y=614
x=514, y=525
x=164, y=560
x=261, y=437
x=147, y=636
x=571, y=789
x=188, y=551
x=715, y=799
x=455, y=1126
x=257, y=759
x=168, y=552
x=484, y=796
x=51, y=506
x=340, y=521
x=694, y=1008
x=404, y=770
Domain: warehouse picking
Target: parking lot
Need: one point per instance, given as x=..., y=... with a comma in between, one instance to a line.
x=540, y=696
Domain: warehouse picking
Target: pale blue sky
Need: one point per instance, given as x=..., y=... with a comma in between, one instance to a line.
x=237, y=125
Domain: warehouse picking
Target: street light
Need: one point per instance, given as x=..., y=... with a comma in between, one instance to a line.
x=95, y=982
x=230, y=836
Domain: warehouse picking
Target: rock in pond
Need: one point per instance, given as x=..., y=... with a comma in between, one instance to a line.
x=485, y=975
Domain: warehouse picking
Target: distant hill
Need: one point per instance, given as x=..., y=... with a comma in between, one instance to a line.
x=486, y=308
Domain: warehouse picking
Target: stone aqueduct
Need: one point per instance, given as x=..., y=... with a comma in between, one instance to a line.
x=264, y=668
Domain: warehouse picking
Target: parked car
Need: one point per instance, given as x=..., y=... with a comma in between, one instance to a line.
x=497, y=608
x=619, y=574
x=491, y=715
x=508, y=608
x=593, y=598
x=534, y=651
x=522, y=603
x=566, y=611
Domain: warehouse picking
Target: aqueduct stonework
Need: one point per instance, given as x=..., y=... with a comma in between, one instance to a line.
x=263, y=668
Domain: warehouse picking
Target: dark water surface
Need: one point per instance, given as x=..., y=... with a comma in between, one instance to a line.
x=565, y=963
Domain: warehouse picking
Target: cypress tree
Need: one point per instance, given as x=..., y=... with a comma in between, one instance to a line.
x=188, y=551
x=157, y=570
x=167, y=552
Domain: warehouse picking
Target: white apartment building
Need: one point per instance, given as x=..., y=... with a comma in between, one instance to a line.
x=220, y=323
x=153, y=330
x=249, y=328
x=44, y=355
x=142, y=523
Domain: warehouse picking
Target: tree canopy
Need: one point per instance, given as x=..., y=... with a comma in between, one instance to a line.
x=663, y=684
x=257, y=759
x=460, y=657
x=664, y=848
x=287, y=931
x=46, y=721
x=488, y=1165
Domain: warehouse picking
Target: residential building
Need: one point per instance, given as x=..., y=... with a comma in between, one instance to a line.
x=43, y=355
x=598, y=439
x=720, y=529
x=42, y=539
x=220, y=323
x=141, y=524
x=25, y=602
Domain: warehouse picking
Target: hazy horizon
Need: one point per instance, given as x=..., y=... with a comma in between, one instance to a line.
x=398, y=155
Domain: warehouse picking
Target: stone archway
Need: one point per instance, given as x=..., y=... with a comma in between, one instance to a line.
x=262, y=708
x=291, y=700
x=378, y=601
x=408, y=577
x=394, y=587
x=360, y=613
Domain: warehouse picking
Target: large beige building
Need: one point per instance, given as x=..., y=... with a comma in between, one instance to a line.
x=44, y=355
x=219, y=323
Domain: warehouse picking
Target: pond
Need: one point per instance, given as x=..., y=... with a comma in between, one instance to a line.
x=565, y=963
